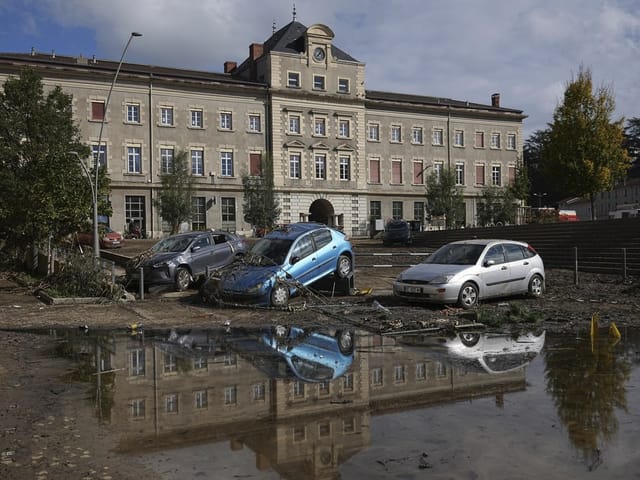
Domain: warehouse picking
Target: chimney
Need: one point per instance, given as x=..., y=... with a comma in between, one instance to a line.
x=255, y=50
x=229, y=66
x=495, y=100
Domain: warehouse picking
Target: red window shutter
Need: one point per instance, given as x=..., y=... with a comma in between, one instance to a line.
x=479, y=174
x=417, y=173
x=97, y=110
x=255, y=164
x=396, y=172
x=374, y=166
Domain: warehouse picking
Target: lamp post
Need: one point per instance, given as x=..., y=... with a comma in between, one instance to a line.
x=540, y=195
x=96, y=160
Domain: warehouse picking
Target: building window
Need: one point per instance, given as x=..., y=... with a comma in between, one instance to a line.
x=102, y=161
x=418, y=211
x=137, y=408
x=416, y=136
x=136, y=362
x=196, y=119
x=320, y=126
x=226, y=121
x=343, y=85
x=511, y=141
x=459, y=173
x=437, y=137
x=228, y=207
x=230, y=360
x=396, y=172
x=255, y=125
x=258, y=391
x=349, y=425
x=347, y=382
x=421, y=371
x=396, y=133
x=226, y=164
x=375, y=209
x=479, y=174
x=324, y=388
x=496, y=175
x=437, y=170
x=298, y=389
x=200, y=363
x=166, y=160
x=97, y=110
x=319, y=82
x=399, y=374
x=397, y=210
x=293, y=80
x=230, y=395
x=344, y=128
x=495, y=140
x=171, y=403
x=134, y=159
x=201, y=400
x=133, y=113
x=198, y=213
x=511, y=172
x=458, y=138
x=197, y=162
x=374, y=170
x=418, y=173
x=299, y=433
x=373, y=132
x=345, y=167
x=321, y=166
x=170, y=365
x=479, y=140
x=376, y=377
x=294, y=165
x=255, y=164
x=294, y=124
x=166, y=116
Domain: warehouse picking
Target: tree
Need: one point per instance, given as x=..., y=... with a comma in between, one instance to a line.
x=497, y=205
x=260, y=205
x=175, y=197
x=583, y=154
x=444, y=197
x=44, y=192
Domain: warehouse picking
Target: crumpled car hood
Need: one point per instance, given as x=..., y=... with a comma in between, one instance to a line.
x=241, y=277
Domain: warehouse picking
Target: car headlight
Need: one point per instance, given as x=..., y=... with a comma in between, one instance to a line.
x=442, y=279
x=162, y=265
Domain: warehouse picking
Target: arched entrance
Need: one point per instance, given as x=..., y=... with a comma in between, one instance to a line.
x=321, y=211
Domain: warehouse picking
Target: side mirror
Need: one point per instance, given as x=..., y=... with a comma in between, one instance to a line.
x=195, y=248
x=488, y=263
x=294, y=260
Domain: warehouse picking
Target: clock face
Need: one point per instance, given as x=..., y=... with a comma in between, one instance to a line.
x=318, y=54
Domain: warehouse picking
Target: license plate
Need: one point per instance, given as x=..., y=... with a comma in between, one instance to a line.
x=413, y=289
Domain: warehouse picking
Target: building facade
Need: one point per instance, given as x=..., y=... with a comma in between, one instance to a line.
x=341, y=154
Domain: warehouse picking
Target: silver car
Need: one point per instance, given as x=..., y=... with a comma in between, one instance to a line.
x=467, y=271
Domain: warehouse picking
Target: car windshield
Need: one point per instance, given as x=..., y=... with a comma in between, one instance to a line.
x=456, y=254
x=172, y=244
x=311, y=371
x=274, y=249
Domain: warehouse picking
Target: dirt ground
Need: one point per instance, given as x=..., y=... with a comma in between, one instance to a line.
x=43, y=435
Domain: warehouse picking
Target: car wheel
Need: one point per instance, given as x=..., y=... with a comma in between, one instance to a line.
x=536, y=286
x=469, y=339
x=279, y=295
x=183, y=279
x=345, y=267
x=281, y=332
x=468, y=296
x=345, y=341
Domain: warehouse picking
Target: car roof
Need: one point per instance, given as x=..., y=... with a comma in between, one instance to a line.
x=487, y=241
x=294, y=230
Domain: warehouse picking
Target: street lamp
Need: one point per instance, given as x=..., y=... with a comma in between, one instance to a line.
x=96, y=160
x=539, y=195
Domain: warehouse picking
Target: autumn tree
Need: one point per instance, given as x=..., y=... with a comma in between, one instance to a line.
x=584, y=153
x=260, y=204
x=175, y=196
x=45, y=194
x=444, y=197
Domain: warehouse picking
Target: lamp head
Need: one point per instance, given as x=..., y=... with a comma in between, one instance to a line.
x=136, y=34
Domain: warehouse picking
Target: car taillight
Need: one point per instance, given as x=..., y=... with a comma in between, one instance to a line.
x=532, y=250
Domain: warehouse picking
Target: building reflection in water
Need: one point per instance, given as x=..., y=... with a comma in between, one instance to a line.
x=172, y=389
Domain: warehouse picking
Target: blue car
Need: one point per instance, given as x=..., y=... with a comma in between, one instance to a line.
x=280, y=264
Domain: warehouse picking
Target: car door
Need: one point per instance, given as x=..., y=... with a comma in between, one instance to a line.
x=495, y=272
x=326, y=251
x=303, y=261
x=201, y=254
x=519, y=267
x=222, y=250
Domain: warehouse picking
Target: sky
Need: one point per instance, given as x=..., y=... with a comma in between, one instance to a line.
x=526, y=50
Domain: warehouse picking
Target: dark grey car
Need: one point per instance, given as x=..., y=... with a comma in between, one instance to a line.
x=182, y=259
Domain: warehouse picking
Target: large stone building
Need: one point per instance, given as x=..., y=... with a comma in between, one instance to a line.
x=342, y=154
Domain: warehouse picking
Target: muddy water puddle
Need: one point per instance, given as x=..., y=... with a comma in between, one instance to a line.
x=311, y=403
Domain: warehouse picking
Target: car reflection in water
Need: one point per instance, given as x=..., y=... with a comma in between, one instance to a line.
x=493, y=353
x=309, y=355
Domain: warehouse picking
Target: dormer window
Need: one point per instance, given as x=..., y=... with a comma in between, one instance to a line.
x=343, y=85
x=319, y=82
x=293, y=79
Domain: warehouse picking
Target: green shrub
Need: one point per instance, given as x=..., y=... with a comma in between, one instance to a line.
x=83, y=276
